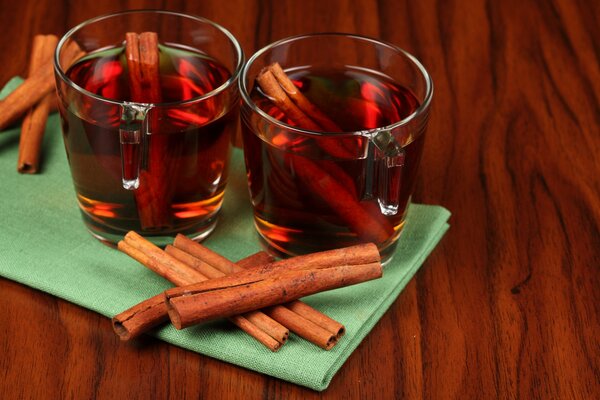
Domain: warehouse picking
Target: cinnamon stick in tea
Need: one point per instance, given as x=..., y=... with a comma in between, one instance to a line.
x=151, y=198
x=304, y=323
x=223, y=297
x=368, y=227
x=323, y=121
x=257, y=324
x=34, y=123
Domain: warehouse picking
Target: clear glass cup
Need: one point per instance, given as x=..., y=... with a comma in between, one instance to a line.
x=156, y=164
x=316, y=187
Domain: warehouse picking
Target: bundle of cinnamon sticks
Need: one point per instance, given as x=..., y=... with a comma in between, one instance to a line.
x=34, y=99
x=257, y=294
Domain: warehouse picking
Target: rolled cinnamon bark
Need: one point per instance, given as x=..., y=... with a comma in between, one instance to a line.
x=152, y=312
x=151, y=196
x=34, y=123
x=317, y=317
x=257, y=324
x=353, y=255
x=140, y=318
x=223, y=297
x=358, y=254
x=303, y=103
x=306, y=328
x=34, y=88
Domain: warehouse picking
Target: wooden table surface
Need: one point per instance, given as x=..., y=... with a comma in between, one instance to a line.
x=507, y=306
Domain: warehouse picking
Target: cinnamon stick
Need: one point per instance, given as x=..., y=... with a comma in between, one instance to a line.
x=34, y=88
x=314, y=261
x=330, y=186
x=317, y=317
x=199, y=265
x=364, y=253
x=152, y=312
x=34, y=123
x=144, y=83
x=304, y=320
x=301, y=326
x=220, y=298
x=322, y=120
x=141, y=318
x=255, y=323
x=270, y=86
x=262, y=257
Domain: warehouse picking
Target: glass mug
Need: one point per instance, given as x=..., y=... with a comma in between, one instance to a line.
x=342, y=171
x=148, y=139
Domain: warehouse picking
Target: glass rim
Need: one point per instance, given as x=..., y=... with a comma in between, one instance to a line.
x=229, y=82
x=423, y=107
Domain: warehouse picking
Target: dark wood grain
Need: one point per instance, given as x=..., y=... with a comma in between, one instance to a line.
x=508, y=306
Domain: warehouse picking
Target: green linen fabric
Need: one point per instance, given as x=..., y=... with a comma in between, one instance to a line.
x=67, y=262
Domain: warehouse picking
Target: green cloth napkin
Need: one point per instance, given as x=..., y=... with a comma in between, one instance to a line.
x=43, y=244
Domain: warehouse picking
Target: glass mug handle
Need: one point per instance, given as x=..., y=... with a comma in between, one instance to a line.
x=132, y=138
x=385, y=160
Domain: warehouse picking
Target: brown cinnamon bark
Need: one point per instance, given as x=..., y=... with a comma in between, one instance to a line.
x=194, y=262
x=34, y=88
x=141, y=318
x=223, y=297
x=327, y=330
x=354, y=255
x=255, y=323
x=277, y=95
x=323, y=121
x=152, y=312
x=34, y=123
x=262, y=257
x=144, y=83
x=301, y=326
x=318, y=318
x=257, y=274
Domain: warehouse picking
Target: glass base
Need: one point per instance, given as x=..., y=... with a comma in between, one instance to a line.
x=387, y=252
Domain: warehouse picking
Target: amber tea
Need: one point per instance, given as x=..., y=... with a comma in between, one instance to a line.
x=180, y=166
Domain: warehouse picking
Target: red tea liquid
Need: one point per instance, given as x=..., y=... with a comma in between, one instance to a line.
x=192, y=143
x=306, y=199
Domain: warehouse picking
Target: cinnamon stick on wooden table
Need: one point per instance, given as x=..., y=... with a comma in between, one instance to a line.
x=34, y=123
x=151, y=196
x=255, y=323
